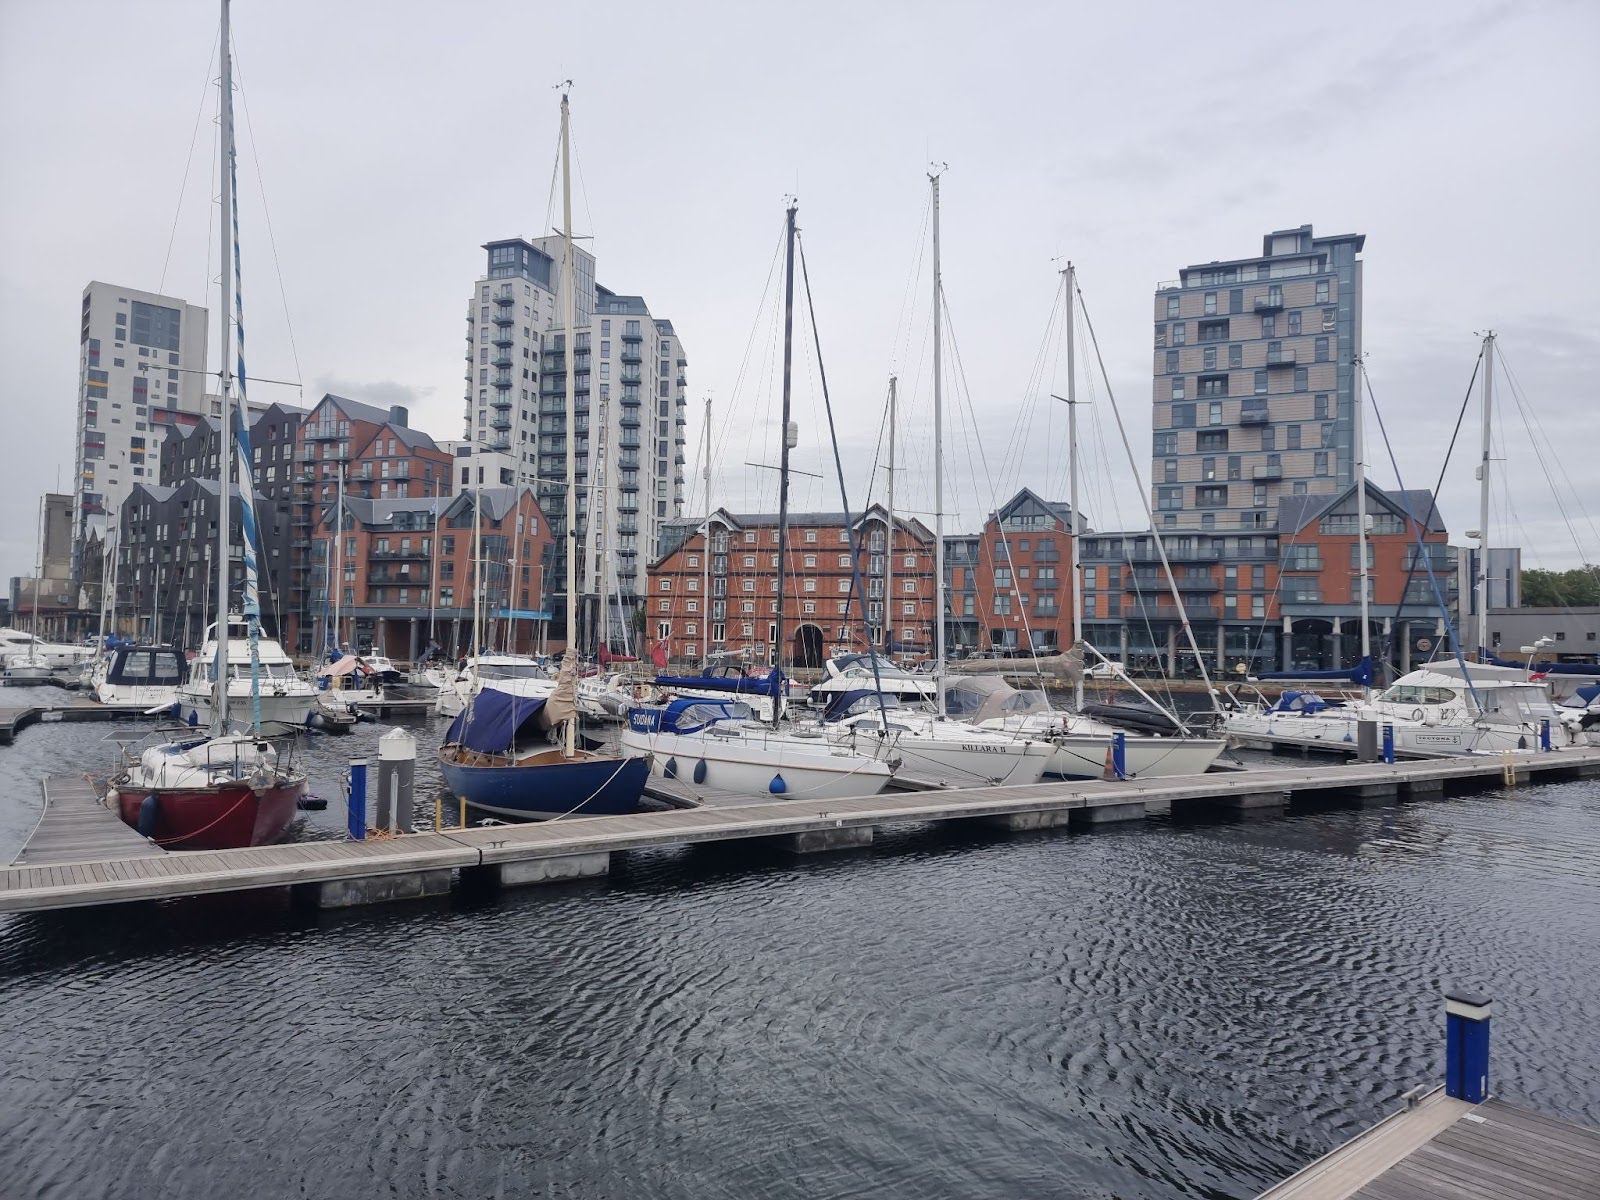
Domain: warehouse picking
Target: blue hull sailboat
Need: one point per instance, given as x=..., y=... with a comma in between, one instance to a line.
x=497, y=757
x=518, y=755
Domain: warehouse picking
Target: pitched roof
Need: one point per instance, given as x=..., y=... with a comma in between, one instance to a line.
x=1296, y=512
x=356, y=410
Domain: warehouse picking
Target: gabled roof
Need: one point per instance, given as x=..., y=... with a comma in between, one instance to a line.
x=1061, y=510
x=1297, y=512
x=355, y=410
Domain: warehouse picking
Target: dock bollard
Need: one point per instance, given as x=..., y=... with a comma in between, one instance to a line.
x=1544, y=733
x=1119, y=755
x=1388, y=743
x=397, y=772
x=1366, y=741
x=356, y=799
x=1466, y=1055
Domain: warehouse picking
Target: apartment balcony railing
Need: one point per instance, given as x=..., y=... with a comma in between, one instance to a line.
x=1280, y=358
x=504, y=316
x=1272, y=302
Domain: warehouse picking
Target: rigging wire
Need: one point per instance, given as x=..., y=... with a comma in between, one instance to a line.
x=188, y=162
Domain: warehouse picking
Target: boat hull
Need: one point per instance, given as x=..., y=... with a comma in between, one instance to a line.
x=952, y=759
x=195, y=709
x=1085, y=757
x=588, y=786
x=747, y=764
x=225, y=817
x=1338, y=734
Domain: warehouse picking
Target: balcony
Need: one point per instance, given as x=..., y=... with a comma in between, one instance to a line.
x=633, y=337
x=402, y=577
x=325, y=433
x=1302, y=563
x=629, y=375
x=1164, y=612
x=499, y=444
x=501, y=400
x=406, y=553
x=1254, y=414
x=504, y=316
x=1270, y=303
x=1266, y=474
x=681, y=419
x=504, y=297
x=1152, y=582
x=501, y=360
x=501, y=337
x=629, y=442
x=501, y=421
x=1280, y=358
x=502, y=381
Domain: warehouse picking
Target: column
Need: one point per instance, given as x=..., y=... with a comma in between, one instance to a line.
x=1286, y=646
x=1337, y=639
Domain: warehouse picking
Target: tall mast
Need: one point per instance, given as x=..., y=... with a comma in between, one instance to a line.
x=938, y=459
x=338, y=553
x=1483, y=498
x=433, y=575
x=219, y=724
x=783, y=461
x=1359, y=450
x=569, y=320
x=1075, y=554
x=705, y=551
x=38, y=579
x=888, y=575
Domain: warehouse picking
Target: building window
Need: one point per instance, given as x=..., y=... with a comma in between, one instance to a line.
x=1293, y=442
x=1169, y=499
x=1183, y=416
x=1169, y=470
x=666, y=585
x=1212, y=496
x=1302, y=379
x=1208, y=358
x=1321, y=353
x=1211, y=303
x=1215, y=413
x=1180, y=333
x=1319, y=407
x=1172, y=306
x=1177, y=387
x=1165, y=443
x=1294, y=324
x=1322, y=291
x=1236, y=300
x=1208, y=469
x=1172, y=361
x=1269, y=326
x=1235, y=467
x=1261, y=383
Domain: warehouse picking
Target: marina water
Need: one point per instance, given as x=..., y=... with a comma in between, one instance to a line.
x=1166, y=1009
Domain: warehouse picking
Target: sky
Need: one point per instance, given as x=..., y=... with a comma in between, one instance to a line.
x=381, y=144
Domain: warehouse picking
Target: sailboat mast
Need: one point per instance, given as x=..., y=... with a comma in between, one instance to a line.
x=38, y=579
x=1075, y=554
x=1483, y=498
x=1359, y=451
x=783, y=460
x=219, y=724
x=569, y=321
x=938, y=460
x=705, y=552
x=888, y=575
x=338, y=551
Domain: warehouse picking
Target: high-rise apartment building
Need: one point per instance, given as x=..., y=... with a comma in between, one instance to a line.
x=630, y=413
x=1255, y=381
x=141, y=364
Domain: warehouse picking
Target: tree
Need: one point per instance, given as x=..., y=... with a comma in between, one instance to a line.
x=1578, y=588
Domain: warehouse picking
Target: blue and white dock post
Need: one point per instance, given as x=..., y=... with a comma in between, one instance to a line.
x=1466, y=1056
x=397, y=765
x=1119, y=755
x=1544, y=733
x=1388, y=743
x=356, y=799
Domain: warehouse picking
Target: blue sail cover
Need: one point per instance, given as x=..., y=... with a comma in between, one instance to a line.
x=1360, y=674
x=491, y=722
x=770, y=684
x=1547, y=668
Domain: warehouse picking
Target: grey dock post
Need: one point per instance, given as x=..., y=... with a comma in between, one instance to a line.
x=1466, y=1056
x=1366, y=741
x=397, y=770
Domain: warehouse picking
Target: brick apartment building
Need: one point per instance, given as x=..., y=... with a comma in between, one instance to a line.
x=732, y=597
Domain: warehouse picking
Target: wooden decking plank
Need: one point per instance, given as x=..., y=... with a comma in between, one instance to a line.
x=1509, y=1145
x=1469, y=1165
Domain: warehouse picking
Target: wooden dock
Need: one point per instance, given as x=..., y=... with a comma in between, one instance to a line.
x=1443, y=1148
x=75, y=826
x=358, y=872
x=15, y=718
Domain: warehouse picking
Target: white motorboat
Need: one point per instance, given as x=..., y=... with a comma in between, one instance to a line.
x=1083, y=745
x=1441, y=709
x=144, y=675
x=19, y=650
x=514, y=674
x=852, y=672
x=285, y=698
x=716, y=742
x=1580, y=713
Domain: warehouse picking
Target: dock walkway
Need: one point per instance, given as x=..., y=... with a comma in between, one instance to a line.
x=352, y=872
x=16, y=717
x=1448, y=1149
x=75, y=826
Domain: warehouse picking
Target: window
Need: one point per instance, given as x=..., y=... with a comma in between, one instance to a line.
x=1215, y=413
x=1269, y=438
x=1261, y=383
x=1208, y=358
x=1294, y=438
x=1211, y=496
x=1235, y=467
x=1214, y=331
x=1322, y=291
x=1319, y=407
x=1161, y=335
x=1236, y=300
x=1330, y=320
x=1177, y=387
x=1172, y=361
x=1210, y=303
x=1208, y=469
x=1169, y=499
x=1180, y=333
x=1213, y=385
x=1002, y=603
x=811, y=535
x=1294, y=324
x=1183, y=416
x=1269, y=327
x=1321, y=354
x=1211, y=439
x=1169, y=470
x=1172, y=306
x=1302, y=378
x=844, y=585
x=1166, y=443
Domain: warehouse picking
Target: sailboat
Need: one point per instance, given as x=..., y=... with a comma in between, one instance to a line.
x=930, y=745
x=714, y=740
x=225, y=789
x=497, y=754
x=25, y=656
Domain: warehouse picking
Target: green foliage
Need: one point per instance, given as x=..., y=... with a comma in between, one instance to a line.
x=1578, y=588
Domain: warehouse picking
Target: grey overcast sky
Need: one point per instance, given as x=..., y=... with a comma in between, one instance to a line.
x=394, y=138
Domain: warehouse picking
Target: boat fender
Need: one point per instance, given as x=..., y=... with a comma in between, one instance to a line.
x=777, y=787
x=149, y=813
x=1522, y=741
x=670, y=771
x=194, y=717
x=700, y=771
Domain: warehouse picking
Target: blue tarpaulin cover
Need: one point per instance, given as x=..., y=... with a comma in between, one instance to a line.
x=491, y=722
x=770, y=684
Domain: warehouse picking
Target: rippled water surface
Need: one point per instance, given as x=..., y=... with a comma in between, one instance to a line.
x=1160, y=1010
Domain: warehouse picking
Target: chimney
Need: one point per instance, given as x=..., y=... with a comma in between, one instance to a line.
x=398, y=415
